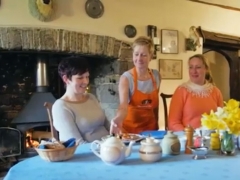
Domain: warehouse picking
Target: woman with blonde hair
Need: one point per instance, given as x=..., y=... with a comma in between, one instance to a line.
x=193, y=98
x=138, y=92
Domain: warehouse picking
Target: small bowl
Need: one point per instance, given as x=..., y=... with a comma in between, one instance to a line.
x=199, y=152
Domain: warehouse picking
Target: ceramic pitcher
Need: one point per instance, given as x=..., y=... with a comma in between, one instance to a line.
x=171, y=144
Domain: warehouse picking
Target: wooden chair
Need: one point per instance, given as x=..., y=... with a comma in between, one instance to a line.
x=164, y=99
x=54, y=132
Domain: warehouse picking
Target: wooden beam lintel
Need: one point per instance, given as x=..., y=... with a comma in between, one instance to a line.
x=219, y=37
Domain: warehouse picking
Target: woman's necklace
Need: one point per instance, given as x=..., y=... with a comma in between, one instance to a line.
x=198, y=90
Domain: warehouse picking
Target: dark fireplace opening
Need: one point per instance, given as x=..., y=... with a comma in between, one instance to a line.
x=32, y=113
x=33, y=137
x=18, y=82
x=27, y=80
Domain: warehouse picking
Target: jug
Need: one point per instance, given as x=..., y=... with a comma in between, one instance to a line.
x=112, y=151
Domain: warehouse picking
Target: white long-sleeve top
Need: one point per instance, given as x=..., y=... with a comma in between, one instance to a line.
x=84, y=121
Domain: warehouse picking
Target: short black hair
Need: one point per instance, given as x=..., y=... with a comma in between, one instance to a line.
x=72, y=66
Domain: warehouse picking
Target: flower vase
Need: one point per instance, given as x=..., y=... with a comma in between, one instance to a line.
x=227, y=143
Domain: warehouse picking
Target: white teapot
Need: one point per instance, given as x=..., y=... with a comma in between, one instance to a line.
x=150, y=150
x=112, y=151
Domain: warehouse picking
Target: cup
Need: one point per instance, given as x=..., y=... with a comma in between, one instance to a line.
x=182, y=138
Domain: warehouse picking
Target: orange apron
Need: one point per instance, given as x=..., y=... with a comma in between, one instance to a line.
x=142, y=109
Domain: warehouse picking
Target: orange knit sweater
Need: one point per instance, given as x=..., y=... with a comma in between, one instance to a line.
x=189, y=102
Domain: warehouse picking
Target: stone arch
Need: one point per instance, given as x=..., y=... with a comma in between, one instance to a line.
x=220, y=70
x=59, y=41
x=229, y=47
x=222, y=52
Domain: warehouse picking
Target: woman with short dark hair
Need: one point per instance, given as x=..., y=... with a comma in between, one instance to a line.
x=77, y=114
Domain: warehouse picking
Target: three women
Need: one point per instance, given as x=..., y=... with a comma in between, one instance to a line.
x=139, y=98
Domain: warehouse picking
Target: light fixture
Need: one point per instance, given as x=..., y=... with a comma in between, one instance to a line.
x=194, y=39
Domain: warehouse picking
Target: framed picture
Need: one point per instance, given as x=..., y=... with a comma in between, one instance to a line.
x=170, y=68
x=169, y=41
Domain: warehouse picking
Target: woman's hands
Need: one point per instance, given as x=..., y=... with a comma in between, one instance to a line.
x=116, y=126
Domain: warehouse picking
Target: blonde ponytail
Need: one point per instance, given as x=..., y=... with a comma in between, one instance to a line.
x=209, y=77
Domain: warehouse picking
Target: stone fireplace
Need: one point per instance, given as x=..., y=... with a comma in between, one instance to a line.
x=33, y=114
x=108, y=57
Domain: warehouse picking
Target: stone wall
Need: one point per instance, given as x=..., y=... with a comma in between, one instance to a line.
x=58, y=40
x=107, y=85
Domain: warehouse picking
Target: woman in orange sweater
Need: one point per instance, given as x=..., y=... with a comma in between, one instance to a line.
x=195, y=97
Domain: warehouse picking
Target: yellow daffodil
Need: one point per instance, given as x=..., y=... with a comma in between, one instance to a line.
x=221, y=113
x=225, y=118
x=221, y=126
x=232, y=104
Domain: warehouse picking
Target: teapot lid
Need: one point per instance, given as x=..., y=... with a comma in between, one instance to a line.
x=112, y=140
x=170, y=135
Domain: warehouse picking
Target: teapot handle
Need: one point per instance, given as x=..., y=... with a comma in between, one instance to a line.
x=94, y=146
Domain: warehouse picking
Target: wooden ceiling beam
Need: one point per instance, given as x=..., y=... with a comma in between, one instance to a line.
x=217, y=5
x=222, y=39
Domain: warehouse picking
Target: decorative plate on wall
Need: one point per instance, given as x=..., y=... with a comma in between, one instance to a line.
x=130, y=31
x=94, y=8
x=43, y=10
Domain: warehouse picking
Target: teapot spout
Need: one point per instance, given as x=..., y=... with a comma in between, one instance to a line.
x=129, y=149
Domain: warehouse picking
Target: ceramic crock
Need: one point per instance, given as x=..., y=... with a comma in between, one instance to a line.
x=171, y=144
x=150, y=150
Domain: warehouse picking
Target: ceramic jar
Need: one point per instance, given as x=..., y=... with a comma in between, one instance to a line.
x=215, y=143
x=227, y=143
x=150, y=150
x=171, y=144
